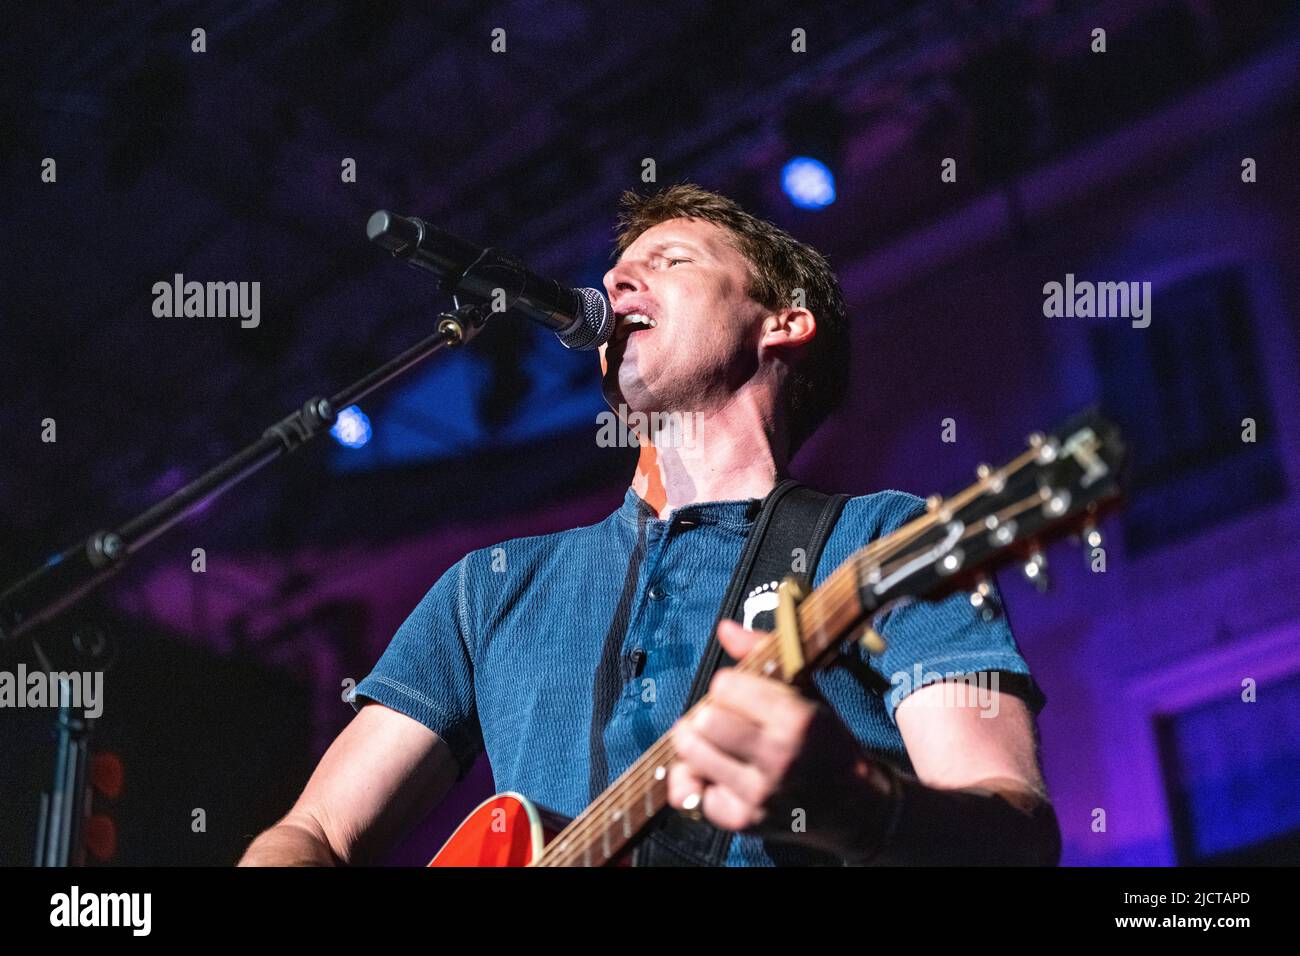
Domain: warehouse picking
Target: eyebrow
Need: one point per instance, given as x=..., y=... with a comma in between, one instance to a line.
x=684, y=243
x=663, y=244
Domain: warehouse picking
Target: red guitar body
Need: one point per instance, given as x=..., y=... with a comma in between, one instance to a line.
x=504, y=830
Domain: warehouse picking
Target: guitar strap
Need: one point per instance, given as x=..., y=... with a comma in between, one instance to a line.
x=792, y=517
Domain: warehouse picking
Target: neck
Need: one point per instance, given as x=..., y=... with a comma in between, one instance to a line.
x=735, y=452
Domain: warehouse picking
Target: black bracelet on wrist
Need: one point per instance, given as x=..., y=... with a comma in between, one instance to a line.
x=886, y=819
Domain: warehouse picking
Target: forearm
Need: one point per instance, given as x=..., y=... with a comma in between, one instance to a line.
x=289, y=844
x=908, y=823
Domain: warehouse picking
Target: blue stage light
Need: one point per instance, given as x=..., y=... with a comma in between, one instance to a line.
x=351, y=428
x=808, y=182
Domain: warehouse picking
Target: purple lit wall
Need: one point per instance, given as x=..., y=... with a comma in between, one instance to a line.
x=1126, y=179
x=1152, y=635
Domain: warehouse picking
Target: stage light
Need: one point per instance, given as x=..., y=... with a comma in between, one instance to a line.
x=101, y=837
x=808, y=182
x=107, y=774
x=351, y=428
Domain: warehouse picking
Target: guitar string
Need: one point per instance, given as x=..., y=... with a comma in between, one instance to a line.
x=641, y=774
x=660, y=753
x=644, y=768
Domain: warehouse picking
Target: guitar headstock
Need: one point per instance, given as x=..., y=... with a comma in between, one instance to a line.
x=1060, y=485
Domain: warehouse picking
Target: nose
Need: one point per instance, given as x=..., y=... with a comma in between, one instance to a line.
x=625, y=278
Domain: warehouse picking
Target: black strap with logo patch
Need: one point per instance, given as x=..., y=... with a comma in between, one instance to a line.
x=792, y=517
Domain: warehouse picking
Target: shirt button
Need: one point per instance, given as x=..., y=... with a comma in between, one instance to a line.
x=656, y=592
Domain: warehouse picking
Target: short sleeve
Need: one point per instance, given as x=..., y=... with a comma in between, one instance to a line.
x=927, y=642
x=427, y=672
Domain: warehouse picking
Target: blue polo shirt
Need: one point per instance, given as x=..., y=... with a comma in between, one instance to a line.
x=565, y=656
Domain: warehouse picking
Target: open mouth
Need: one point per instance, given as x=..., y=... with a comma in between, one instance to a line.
x=633, y=322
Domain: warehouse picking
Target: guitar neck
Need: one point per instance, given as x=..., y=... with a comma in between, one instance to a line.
x=601, y=832
x=1060, y=484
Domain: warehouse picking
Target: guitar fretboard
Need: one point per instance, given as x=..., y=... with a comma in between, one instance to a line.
x=601, y=832
x=829, y=614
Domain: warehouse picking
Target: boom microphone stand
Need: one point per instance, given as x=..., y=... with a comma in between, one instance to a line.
x=69, y=575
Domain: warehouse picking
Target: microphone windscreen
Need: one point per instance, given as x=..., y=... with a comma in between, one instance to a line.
x=594, y=327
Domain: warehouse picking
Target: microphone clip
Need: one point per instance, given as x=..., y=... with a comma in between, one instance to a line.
x=463, y=322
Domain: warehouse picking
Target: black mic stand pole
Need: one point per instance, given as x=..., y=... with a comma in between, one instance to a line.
x=71, y=574
x=68, y=576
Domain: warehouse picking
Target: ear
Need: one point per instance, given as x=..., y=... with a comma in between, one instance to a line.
x=788, y=329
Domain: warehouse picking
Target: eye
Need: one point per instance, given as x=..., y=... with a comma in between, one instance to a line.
x=673, y=262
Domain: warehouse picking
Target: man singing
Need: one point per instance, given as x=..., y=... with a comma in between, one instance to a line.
x=543, y=659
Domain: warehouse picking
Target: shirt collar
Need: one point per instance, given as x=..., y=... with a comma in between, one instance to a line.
x=739, y=513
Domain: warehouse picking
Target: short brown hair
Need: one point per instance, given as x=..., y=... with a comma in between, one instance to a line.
x=779, y=264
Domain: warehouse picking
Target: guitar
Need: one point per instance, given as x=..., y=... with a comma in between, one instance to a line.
x=1061, y=484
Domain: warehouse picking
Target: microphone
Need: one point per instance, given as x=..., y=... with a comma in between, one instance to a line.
x=581, y=318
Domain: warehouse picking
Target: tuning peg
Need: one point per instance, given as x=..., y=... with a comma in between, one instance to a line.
x=932, y=503
x=983, y=470
x=1057, y=503
x=982, y=599
x=1035, y=571
x=1091, y=536
x=1047, y=448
